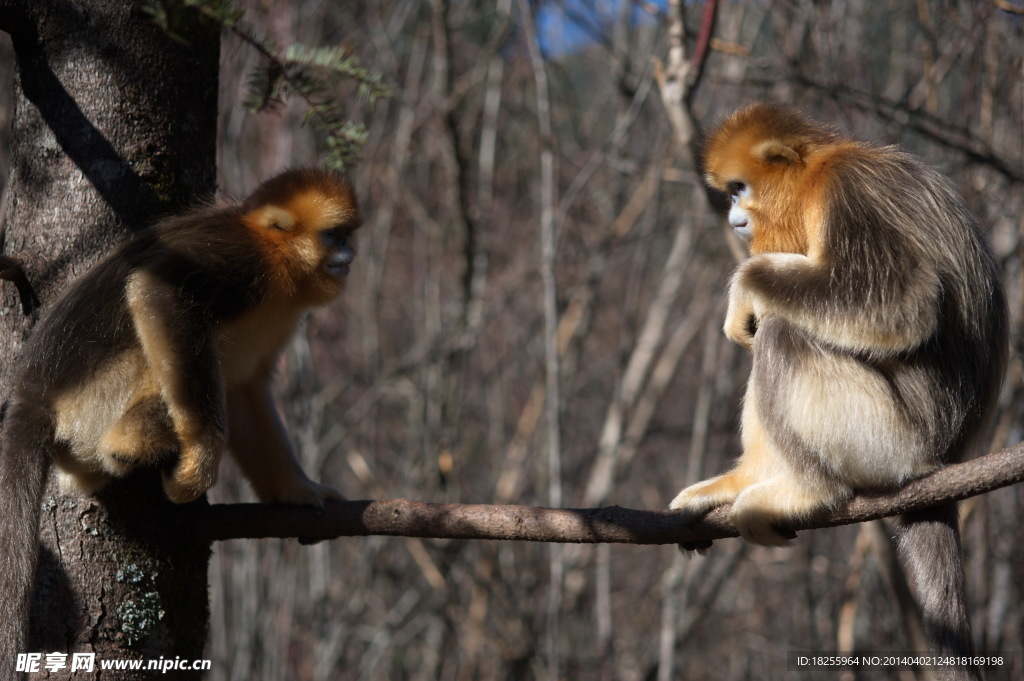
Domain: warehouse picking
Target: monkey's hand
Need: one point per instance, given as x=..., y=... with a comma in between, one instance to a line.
x=195, y=472
x=741, y=319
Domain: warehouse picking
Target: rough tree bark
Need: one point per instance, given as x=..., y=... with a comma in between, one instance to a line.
x=115, y=123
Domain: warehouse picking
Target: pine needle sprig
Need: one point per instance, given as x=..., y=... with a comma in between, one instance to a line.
x=315, y=75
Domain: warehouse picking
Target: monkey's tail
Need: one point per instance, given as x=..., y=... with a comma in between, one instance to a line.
x=24, y=463
x=929, y=543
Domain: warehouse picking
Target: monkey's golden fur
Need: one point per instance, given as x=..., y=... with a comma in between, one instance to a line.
x=162, y=354
x=877, y=323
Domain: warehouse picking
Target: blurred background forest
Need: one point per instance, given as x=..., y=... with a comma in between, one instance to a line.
x=429, y=380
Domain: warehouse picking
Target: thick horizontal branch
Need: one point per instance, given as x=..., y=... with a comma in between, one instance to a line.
x=613, y=524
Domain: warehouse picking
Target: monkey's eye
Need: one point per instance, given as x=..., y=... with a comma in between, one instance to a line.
x=275, y=217
x=735, y=189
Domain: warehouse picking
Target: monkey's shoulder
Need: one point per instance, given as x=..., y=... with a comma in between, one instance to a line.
x=213, y=264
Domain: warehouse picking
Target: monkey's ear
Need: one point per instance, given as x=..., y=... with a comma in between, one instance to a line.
x=774, y=151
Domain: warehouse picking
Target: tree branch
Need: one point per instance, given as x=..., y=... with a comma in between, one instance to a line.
x=613, y=524
x=943, y=132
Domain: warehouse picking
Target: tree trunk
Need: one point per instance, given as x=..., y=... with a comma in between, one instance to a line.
x=115, y=124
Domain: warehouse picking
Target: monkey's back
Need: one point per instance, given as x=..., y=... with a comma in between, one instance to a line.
x=906, y=229
x=218, y=273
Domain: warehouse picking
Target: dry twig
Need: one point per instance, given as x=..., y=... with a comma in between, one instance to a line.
x=613, y=524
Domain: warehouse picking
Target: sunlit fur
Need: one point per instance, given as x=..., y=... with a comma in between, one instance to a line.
x=162, y=354
x=877, y=323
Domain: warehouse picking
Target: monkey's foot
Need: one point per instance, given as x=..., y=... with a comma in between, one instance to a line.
x=762, y=511
x=760, y=525
x=696, y=500
x=183, y=493
x=190, y=478
x=143, y=435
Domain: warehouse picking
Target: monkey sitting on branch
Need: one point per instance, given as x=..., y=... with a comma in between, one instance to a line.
x=162, y=355
x=878, y=326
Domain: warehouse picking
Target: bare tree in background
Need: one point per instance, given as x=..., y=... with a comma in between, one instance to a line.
x=416, y=402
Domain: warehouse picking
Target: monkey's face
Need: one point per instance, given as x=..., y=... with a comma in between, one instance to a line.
x=323, y=243
x=308, y=237
x=739, y=215
x=764, y=184
x=746, y=196
x=769, y=213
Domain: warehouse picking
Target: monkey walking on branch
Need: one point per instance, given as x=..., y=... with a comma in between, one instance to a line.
x=163, y=353
x=878, y=326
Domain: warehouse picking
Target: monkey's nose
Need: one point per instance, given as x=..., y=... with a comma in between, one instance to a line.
x=337, y=263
